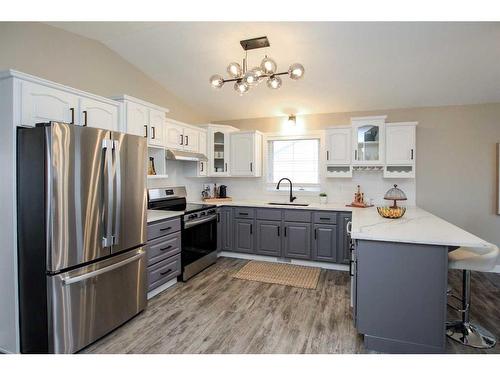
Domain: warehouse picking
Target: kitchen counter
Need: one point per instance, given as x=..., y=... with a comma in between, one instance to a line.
x=261, y=204
x=416, y=226
x=158, y=215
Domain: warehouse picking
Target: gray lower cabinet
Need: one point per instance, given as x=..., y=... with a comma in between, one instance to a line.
x=163, y=252
x=296, y=240
x=343, y=253
x=324, y=245
x=243, y=235
x=268, y=235
x=226, y=222
x=219, y=230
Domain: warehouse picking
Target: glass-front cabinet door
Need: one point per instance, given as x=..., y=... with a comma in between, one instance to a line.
x=219, y=153
x=368, y=140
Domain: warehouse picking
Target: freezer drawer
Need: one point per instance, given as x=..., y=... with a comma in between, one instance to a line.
x=88, y=302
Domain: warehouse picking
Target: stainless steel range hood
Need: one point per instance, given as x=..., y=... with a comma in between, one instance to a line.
x=185, y=155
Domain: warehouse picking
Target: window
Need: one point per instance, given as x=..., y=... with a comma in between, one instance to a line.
x=296, y=159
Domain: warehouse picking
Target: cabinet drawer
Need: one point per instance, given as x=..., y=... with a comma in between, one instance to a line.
x=163, y=271
x=163, y=228
x=163, y=247
x=244, y=212
x=297, y=215
x=268, y=214
x=325, y=217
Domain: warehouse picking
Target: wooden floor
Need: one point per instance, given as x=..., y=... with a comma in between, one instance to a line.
x=215, y=313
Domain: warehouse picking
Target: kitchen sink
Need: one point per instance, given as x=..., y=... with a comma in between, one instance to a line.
x=289, y=204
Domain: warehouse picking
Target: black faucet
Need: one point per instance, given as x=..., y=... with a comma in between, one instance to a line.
x=292, y=198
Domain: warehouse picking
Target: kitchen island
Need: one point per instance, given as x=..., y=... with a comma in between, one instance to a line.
x=399, y=279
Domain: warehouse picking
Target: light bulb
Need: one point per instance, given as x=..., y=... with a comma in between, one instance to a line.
x=250, y=77
x=268, y=65
x=296, y=71
x=216, y=81
x=258, y=72
x=234, y=70
x=241, y=87
x=274, y=82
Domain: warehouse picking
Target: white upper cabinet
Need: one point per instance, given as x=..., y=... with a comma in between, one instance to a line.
x=338, y=146
x=157, y=127
x=144, y=119
x=246, y=154
x=180, y=136
x=400, y=143
x=202, y=142
x=40, y=103
x=136, y=119
x=97, y=114
x=219, y=151
x=191, y=139
x=368, y=140
x=174, y=135
x=44, y=101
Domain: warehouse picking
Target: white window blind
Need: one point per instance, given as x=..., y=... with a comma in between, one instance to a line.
x=295, y=159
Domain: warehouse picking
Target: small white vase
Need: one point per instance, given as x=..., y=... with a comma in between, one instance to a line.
x=323, y=200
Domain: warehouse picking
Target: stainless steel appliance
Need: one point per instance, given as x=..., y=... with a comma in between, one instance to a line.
x=222, y=191
x=82, y=225
x=199, y=228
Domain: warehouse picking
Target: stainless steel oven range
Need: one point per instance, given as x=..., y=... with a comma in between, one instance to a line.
x=199, y=228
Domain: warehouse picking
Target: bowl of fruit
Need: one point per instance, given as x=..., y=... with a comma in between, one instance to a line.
x=391, y=212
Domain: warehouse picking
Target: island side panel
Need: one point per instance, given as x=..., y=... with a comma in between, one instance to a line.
x=401, y=296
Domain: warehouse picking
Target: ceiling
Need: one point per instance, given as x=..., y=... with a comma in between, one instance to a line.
x=349, y=66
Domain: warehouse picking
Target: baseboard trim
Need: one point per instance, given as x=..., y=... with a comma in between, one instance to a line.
x=161, y=288
x=263, y=258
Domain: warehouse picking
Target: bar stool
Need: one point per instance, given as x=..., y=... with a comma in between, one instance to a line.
x=470, y=259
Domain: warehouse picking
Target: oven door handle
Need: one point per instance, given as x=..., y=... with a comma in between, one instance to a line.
x=190, y=224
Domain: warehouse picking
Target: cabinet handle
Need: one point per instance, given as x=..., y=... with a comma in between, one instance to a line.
x=218, y=217
x=251, y=228
x=182, y=140
x=167, y=228
x=278, y=231
x=187, y=140
x=411, y=154
x=315, y=233
x=153, y=136
x=145, y=131
x=243, y=213
x=285, y=231
x=225, y=167
x=327, y=155
x=165, y=272
x=84, y=118
x=349, y=227
x=72, y=116
x=350, y=267
x=355, y=154
x=201, y=166
x=324, y=218
x=251, y=167
x=166, y=248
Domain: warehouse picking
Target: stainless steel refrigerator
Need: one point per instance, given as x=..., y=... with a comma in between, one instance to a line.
x=81, y=230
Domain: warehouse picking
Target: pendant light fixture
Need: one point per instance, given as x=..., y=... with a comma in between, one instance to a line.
x=245, y=78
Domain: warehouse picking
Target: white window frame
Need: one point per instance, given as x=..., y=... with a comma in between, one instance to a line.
x=304, y=188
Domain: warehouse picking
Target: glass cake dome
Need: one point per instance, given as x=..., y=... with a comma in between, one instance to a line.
x=395, y=194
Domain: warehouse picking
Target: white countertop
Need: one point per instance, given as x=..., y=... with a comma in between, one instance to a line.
x=416, y=226
x=157, y=215
x=261, y=204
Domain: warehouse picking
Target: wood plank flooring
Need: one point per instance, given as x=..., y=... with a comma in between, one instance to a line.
x=215, y=313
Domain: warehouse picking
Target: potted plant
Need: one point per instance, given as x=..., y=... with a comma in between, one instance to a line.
x=323, y=198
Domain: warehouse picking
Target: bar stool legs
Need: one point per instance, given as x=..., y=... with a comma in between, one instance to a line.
x=464, y=331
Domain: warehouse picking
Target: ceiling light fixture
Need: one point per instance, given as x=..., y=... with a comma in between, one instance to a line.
x=245, y=78
x=292, y=120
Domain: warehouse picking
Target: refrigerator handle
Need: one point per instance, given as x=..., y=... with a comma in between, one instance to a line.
x=118, y=184
x=107, y=145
